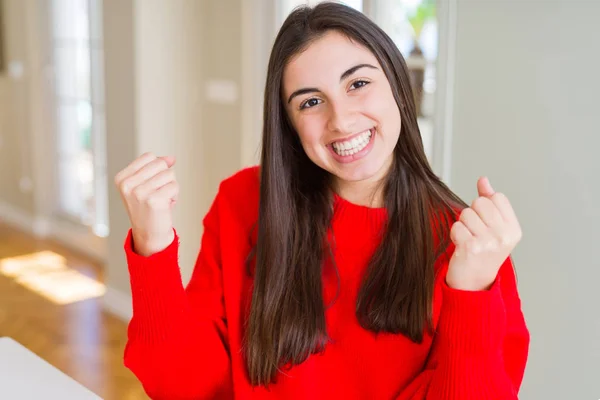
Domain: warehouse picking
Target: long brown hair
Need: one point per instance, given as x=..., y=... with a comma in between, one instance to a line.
x=287, y=314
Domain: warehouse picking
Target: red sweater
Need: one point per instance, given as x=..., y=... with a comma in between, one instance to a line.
x=185, y=343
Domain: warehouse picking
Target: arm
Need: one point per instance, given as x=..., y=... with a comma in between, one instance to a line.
x=481, y=345
x=177, y=344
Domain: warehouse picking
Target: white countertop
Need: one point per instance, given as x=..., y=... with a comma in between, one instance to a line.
x=25, y=376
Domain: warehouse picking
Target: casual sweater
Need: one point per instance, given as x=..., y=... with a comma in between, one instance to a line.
x=186, y=342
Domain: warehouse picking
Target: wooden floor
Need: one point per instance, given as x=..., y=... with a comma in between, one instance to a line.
x=79, y=339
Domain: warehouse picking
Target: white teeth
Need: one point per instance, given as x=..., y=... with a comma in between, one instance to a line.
x=352, y=146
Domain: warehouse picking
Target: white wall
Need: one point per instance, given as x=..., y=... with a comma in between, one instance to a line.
x=169, y=85
x=153, y=86
x=160, y=56
x=527, y=94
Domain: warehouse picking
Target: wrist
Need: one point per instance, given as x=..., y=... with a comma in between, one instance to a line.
x=146, y=246
x=469, y=284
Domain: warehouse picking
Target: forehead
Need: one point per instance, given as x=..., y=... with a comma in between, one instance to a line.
x=324, y=60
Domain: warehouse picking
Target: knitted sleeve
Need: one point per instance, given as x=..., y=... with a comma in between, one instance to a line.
x=177, y=339
x=480, y=346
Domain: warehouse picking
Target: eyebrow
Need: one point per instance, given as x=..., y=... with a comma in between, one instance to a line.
x=346, y=74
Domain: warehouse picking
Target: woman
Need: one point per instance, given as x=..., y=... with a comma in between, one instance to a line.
x=342, y=267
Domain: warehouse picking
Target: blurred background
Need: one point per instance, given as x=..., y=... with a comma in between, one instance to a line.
x=507, y=89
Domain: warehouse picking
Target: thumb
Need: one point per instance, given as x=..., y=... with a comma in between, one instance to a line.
x=484, y=188
x=170, y=160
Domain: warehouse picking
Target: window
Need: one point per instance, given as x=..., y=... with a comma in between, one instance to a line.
x=413, y=26
x=76, y=44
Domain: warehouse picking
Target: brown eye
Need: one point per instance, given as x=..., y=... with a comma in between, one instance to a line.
x=359, y=84
x=310, y=103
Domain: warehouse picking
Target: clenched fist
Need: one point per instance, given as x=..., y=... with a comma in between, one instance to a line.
x=149, y=190
x=484, y=236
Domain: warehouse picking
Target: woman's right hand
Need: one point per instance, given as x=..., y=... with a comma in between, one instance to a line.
x=149, y=190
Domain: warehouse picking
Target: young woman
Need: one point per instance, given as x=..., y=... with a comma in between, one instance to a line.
x=341, y=267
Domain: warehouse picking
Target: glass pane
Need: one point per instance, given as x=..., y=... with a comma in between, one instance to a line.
x=76, y=169
x=82, y=23
x=70, y=19
x=71, y=48
x=63, y=15
x=80, y=127
x=68, y=135
x=76, y=186
x=70, y=194
x=72, y=70
x=83, y=76
x=65, y=61
x=74, y=127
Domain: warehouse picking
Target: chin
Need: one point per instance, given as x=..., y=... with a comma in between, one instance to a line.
x=356, y=173
x=369, y=164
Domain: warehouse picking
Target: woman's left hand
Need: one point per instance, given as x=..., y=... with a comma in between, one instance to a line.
x=484, y=236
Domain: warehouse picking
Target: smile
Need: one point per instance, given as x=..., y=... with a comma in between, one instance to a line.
x=352, y=145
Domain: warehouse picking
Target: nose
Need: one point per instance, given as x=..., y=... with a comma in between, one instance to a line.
x=342, y=118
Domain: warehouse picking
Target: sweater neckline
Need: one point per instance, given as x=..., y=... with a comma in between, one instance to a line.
x=368, y=219
x=339, y=201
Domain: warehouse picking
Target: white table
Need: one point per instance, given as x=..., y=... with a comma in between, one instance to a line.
x=25, y=376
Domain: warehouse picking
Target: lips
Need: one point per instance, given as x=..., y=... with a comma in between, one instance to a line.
x=352, y=145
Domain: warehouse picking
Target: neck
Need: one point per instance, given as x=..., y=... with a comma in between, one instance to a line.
x=363, y=193
x=367, y=192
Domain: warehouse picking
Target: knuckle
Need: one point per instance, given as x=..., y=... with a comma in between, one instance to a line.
x=126, y=187
x=117, y=179
x=473, y=247
x=479, y=202
x=456, y=232
x=138, y=194
x=500, y=196
x=161, y=163
x=505, y=236
x=152, y=201
x=466, y=213
x=145, y=159
x=455, y=227
x=506, y=240
x=453, y=232
x=170, y=175
x=519, y=235
x=496, y=244
x=155, y=201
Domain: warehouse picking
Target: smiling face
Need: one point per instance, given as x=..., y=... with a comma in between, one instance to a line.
x=340, y=103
